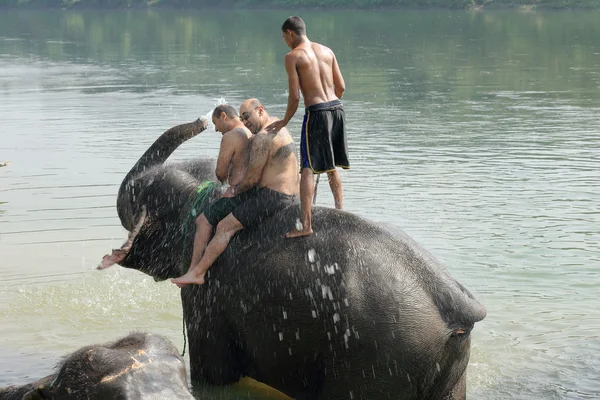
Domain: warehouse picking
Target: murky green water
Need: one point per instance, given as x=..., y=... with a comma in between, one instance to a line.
x=478, y=134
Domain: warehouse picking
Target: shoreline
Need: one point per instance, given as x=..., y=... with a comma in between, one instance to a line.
x=275, y=7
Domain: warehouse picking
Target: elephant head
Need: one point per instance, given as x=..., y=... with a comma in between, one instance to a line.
x=138, y=366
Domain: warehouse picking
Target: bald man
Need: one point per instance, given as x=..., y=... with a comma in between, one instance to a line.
x=269, y=185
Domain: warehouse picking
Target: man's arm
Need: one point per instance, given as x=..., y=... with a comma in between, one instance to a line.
x=225, y=155
x=293, y=96
x=338, y=79
x=259, y=155
x=293, y=87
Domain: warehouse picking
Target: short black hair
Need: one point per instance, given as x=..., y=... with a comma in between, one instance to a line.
x=224, y=108
x=294, y=24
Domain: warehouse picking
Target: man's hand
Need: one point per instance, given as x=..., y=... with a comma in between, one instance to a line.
x=229, y=192
x=276, y=126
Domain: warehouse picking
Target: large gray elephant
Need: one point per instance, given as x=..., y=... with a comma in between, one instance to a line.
x=355, y=311
x=140, y=366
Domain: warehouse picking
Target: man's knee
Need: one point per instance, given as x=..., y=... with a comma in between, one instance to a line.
x=201, y=221
x=334, y=177
x=228, y=227
x=306, y=173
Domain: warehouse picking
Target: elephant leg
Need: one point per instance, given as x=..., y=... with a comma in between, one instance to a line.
x=215, y=357
x=119, y=255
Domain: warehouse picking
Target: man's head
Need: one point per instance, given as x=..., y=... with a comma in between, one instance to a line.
x=292, y=30
x=253, y=115
x=224, y=117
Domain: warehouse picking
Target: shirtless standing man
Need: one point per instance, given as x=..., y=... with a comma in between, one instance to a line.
x=231, y=167
x=269, y=185
x=313, y=69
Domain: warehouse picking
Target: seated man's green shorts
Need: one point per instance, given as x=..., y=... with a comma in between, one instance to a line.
x=222, y=207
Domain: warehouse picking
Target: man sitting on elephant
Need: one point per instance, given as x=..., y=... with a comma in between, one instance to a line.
x=269, y=185
x=231, y=167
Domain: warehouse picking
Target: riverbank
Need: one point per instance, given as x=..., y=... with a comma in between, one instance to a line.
x=476, y=5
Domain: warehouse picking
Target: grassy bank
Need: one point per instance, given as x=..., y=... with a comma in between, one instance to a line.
x=347, y=4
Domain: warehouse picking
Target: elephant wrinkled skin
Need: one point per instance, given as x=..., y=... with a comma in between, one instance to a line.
x=355, y=311
x=139, y=366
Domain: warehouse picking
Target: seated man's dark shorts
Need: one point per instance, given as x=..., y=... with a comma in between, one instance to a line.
x=323, y=144
x=222, y=207
x=264, y=204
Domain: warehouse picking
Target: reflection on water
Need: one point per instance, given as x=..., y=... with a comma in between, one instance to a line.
x=479, y=135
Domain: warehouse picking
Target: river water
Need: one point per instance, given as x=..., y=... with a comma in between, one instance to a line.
x=476, y=133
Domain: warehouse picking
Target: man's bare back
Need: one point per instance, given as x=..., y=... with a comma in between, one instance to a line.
x=234, y=151
x=315, y=65
x=281, y=169
x=273, y=161
x=237, y=143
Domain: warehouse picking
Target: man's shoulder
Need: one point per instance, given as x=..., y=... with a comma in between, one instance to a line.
x=320, y=47
x=294, y=54
x=262, y=137
x=238, y=132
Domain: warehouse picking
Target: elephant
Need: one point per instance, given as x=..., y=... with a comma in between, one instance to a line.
x=357, y=310
x=140, y=366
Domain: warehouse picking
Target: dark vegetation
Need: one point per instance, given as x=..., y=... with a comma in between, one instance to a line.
x=448, y=4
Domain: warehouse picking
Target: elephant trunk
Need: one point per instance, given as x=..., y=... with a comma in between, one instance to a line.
x=156, y=155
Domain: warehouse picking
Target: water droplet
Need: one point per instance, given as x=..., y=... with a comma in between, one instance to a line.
x=312, y=255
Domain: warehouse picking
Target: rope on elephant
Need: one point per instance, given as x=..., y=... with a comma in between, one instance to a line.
x=202, y=194
x=184, y=338
x=316, y=186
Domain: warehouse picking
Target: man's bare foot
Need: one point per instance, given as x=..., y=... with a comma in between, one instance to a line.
x=298, y=233
x=189, y=278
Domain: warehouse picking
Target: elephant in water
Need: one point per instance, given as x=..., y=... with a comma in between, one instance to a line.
x=355, y=311
x=139, y=366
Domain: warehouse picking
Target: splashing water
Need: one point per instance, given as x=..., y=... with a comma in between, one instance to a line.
x=208, y=115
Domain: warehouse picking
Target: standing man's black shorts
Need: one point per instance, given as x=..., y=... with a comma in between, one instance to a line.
x=323, y=145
